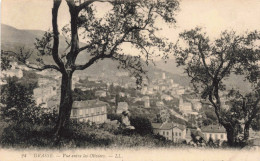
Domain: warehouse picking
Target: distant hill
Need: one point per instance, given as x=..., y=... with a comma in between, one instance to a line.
x=12, y=35
x=170, y=66
x=236, y=82
x=12, y=39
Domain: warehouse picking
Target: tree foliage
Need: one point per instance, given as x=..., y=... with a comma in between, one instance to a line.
x=127, y=22
x=210, y=63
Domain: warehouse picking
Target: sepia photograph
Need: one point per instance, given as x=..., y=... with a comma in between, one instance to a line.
x=130, y=80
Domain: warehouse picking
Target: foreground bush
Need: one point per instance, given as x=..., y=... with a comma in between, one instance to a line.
x=76, y=135
x=142, y=125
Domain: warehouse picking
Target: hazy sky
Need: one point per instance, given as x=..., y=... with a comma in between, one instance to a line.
x=214, y=15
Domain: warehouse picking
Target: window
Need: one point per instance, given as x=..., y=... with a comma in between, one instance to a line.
x=176, y=134
x=167, y=133
x=216, y=136
x=221, y=136
x=179, y=134
x=163, y=133
x=87, y=112
x=210, y=135
x=80, y=112
x=92, y=111
x=74, y=112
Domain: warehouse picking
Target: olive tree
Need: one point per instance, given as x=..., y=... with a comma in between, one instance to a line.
x=210, y=63
x=127, y=22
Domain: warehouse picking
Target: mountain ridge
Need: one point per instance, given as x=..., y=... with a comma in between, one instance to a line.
x=12, y=38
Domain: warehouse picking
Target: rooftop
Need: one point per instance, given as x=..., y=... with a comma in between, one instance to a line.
x=213, y=129
x=156, y=125
x=167, y=126
x=88, y=104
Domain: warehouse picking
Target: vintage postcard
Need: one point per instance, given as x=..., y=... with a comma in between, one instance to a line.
x=130, y=80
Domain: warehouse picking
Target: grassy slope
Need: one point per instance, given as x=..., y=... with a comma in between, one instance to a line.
x=26, y=135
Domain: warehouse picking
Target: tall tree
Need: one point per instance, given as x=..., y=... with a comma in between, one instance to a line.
x=126, y=22
x=244, y=107
x=210, y=63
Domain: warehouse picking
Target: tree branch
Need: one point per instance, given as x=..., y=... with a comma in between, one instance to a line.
x=55, y=48
x=91, y=61
x=221, y=64
x=43, y=67
x=102, y=55
x=203, y=59
x=23, y=59
x=89, y=2
x=141, y=46
x=88, y=46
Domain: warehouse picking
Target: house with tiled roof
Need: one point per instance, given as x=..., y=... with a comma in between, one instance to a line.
x=215, y=132
x=170, y=131
x=89, y=110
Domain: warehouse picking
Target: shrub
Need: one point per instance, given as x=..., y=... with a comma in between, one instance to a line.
x=46, y=118
x=142, y=125
x=113, y=116
x=26, y=134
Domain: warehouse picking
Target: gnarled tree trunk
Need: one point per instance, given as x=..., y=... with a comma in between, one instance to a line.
x=246, y=131
x=65, y=103
x=231, y=135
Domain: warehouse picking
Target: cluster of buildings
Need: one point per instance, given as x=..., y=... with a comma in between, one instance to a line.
x=47, y=94
x=15, y=71
x=169, y=91
x=180, y=133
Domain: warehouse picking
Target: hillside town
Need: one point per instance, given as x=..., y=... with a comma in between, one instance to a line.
x=130, y=80
x=174, y=111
